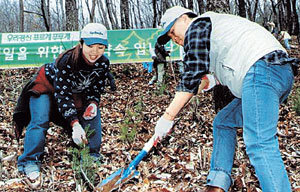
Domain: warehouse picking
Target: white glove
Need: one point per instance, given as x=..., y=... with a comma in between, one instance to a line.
x=90, y=112
x=163, y=127
x=78, y=134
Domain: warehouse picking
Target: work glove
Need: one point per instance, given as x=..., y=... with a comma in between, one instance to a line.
x=90, y=112
x=162, y=128
x=78, y=134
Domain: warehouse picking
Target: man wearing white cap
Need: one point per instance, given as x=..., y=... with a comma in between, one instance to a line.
x=256, y=68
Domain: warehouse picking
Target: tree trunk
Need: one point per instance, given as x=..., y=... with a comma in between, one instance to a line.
x=164, y=6
x=191, y=4
x=44, y=14
x=242, y=9
x=110, y=12
x=276, y=15
x=281, y=23
x=124, y=7
x=134, y=18
x=154, y=3
x=289, y=16
x=81, y=16
x=218, y=6
x=91, y=10
x=201, y=6
x=100, y=5
x=248, y=6
x=21, y=6
x=255, y=10
x=48, y=14
x=63, y=15
x=295, y=19
x=123, y=24
x=139, y=14
x=71, y=15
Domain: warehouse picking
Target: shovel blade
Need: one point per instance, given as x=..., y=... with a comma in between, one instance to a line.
x=112, y=177
x=116, y=179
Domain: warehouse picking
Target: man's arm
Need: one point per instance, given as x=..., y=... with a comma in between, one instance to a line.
x=179, y=101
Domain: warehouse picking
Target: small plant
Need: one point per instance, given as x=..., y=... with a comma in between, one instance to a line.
x=296, y=100
x=128, y=127
x=126, y=70
x=84, y=166
x=195, y=108
x=134, y=116
x=162, y=88
x=139, y=107
x=1, y=166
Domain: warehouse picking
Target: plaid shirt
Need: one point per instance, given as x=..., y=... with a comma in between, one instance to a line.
x=196, y=60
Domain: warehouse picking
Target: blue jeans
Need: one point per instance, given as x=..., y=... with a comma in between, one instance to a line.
x=264, y=88
x=35, y=135
x=287, y=44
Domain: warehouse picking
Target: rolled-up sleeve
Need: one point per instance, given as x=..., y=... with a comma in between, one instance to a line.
x=196, y=59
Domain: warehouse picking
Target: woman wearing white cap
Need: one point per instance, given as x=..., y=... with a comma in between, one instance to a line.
x=256, y=68
x=66, y=92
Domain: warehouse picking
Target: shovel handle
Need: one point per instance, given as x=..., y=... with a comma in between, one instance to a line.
x=152, y=142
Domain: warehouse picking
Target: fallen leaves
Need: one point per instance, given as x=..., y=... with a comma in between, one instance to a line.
x=180, y=163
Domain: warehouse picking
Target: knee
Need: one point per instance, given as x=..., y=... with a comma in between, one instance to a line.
x=36, y=125
x=257, y=146
x=218, y=123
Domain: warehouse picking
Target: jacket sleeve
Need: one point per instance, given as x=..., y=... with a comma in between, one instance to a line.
x=63, y=91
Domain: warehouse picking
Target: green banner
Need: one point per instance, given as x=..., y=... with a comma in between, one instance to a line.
x=18, y=50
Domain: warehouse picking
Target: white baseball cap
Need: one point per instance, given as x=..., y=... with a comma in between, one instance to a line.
x=168, y=20
x=94, y=33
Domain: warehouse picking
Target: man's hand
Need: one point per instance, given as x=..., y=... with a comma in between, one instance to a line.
x=163, y=127
x=78, y=134
x=90, y=112
x=207, y=83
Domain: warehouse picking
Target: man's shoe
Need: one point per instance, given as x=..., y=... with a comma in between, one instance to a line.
x=213, y=189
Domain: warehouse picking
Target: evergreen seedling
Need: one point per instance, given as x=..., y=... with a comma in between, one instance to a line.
x=296, y=103
x=84, y=166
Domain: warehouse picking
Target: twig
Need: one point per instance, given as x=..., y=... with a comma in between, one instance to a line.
x=173, y=73
x=86, y=178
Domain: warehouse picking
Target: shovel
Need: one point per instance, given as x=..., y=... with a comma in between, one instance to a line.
x=126, y=174
x=123, y=175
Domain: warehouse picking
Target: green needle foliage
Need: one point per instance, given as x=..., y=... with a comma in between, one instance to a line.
x=128, y=127
x=84, y=166
x=296, y=100
x=133, y=117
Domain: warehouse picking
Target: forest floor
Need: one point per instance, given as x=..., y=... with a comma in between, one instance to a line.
x=180, y=163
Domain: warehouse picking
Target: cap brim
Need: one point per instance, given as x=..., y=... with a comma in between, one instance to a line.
x=163, y=38
x=92, y=41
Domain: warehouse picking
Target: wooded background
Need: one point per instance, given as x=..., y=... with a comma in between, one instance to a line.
x=72, y=15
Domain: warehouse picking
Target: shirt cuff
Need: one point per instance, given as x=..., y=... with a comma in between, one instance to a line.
x=184, y=89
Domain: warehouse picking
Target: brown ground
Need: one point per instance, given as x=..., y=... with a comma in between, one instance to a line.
x=180, y=163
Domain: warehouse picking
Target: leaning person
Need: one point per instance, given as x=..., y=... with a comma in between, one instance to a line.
x=66, y=92
x=286, y=38
x=159, y=64
x=256, y=68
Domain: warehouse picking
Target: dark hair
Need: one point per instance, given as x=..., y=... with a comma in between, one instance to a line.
x=191, y=15
x=73, y=53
